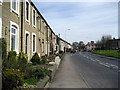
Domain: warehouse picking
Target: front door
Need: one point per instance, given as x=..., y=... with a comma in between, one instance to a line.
x=27, y=43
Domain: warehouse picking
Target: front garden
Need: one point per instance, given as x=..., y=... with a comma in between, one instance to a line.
x=17, y=72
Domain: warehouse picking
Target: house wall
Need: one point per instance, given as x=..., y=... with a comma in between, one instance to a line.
x=46, y=40
x=7, y=16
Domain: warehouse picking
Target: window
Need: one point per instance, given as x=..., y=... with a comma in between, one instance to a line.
x=14, y=37
x=15, y=6
x=27, y=43
x=48, y=33
x=27, y=5
x=39, y=23
x=34, y=43
x=34, y=18
x=42, y=45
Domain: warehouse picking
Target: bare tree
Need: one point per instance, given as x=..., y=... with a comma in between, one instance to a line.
x=104, y=42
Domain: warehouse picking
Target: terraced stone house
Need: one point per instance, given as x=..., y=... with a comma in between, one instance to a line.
x=25, y=29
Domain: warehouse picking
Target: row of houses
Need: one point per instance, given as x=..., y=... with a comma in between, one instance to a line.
x=25, y=29
x=113, y=44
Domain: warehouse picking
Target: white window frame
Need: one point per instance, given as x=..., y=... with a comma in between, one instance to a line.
x=39, y=24
x=26, y=32
x=28, y=12
x=17, y=36
x=32, y=43
x=1, y=2
x=17, y=6
x=0, y=27
x=33, y=18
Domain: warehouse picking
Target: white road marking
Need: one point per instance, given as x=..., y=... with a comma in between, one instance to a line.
x=107, y=65
x=100, y=62
x=115, y=67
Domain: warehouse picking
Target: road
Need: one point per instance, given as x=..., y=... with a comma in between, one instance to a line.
x=90, y=71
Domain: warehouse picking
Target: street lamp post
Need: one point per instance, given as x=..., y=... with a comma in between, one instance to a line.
x=65, y=34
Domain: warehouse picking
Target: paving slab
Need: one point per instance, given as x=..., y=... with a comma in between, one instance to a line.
x=67, y=76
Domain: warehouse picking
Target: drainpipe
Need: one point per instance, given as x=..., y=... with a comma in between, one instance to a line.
x=21, y=25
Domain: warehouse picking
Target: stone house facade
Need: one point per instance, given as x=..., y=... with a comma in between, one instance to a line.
x=90, y=46
x=25, y=29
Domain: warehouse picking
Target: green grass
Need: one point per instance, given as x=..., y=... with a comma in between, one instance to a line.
x=111, y=53
x=32, y=81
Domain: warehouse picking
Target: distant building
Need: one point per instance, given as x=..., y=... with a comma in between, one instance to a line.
x=90, y=46
x=115, y=44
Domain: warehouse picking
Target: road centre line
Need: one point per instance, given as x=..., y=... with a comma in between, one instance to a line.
x=101, y=63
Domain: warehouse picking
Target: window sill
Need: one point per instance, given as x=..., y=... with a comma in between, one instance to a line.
x=27, y=21
x=15, y=12
x=34, y=26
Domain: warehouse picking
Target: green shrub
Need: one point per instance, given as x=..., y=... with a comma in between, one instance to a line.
x=11, y=61
x=11, y=79
x=61, y=52
x=3, y=50
x=22, y=61
x=29, y=71
x=51, y=57
x=43, y=60
x=40, y=73
x=35, y=59
x=57, y=54
x=32, y=81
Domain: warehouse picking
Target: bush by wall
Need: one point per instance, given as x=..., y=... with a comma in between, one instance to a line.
x=11, y=61
x=35, y=59
x=22, y=61
x=3, y=50
x=11, y=79
x=61, y=52
x=40, y=72
x=43, y=60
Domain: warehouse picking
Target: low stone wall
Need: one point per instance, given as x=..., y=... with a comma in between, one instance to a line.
x=44, y=83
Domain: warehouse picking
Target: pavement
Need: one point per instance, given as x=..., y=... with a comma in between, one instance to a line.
x=86, y=70
x=67, y=76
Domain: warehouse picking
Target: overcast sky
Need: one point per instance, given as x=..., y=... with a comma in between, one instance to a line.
x=86, y=20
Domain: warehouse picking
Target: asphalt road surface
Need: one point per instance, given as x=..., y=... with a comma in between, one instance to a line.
x=86, y=70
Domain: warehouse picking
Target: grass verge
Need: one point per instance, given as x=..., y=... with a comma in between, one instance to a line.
x=111, y=53
x=32, y=81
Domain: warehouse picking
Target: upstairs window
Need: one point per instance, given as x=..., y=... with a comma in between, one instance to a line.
x=27, y=11
x=15, y=6
x=34, y=17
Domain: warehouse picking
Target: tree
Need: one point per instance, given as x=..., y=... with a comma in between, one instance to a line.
x=104, y=42
x=75, y=45
x=81, y=45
